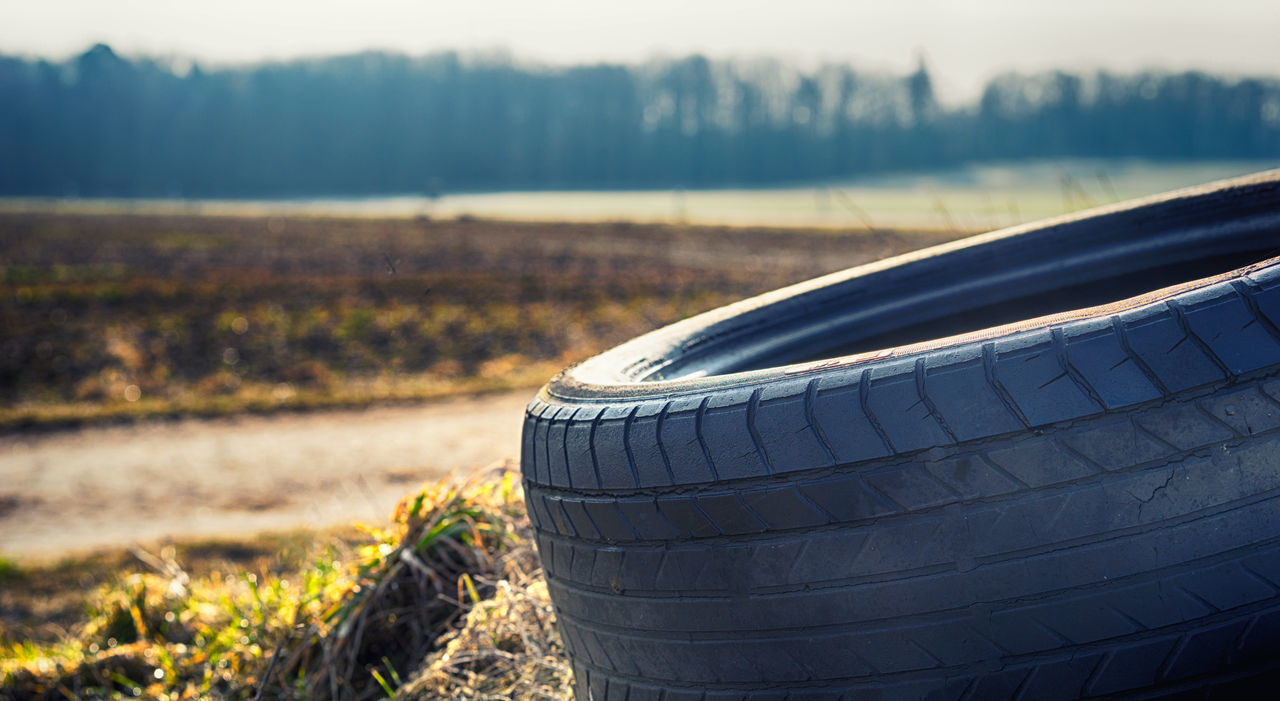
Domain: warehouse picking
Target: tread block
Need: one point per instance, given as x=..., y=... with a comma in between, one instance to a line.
x=1041, y=387
x=787, y=438
x=578, y=450
x=580, y=681
x=1132, y=666
x=730, y=514
x=638, y=564
x=542, y=471
x=1062, y=680
x=683, y=695
x=645, y=519
x=680, y=439
x=1225, y=586
x=1018, y=634
x=903, y=414
x=637, y=692
x=528, y=464
x=846, y=498
x=607, y=568
x=1115, y=445
x=1184, y=427
x=972, y=477
x=554, y=453
x=999, y=685
x=1267, y=299
x=561, y=560
x=1247, y=410
x=910, y=486
x=595, y=654
x=537, y=510
x=1110, y=371
x=1174, y=358
x=607, y=519
x=582, y=564
x=1262, y=640
x=967, y=402
x=1159, y=604
x=782, y=508
x=1084, y=620
x=559, y=518
x=1204, y=650
x=852, y=437
x=768, y=560
x=733, y=450
x=580, y=523
x=1233, y=333
x=890, y=652
x=921, y=544
x=831, y=556
x=611, y=455
x=649, y=464
x=679, y=570
x=685, y=516
x=1039, y=462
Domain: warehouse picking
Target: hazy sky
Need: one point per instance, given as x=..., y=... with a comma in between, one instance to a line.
x=965, y=41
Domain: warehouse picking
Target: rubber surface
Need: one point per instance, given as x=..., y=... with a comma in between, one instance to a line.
x=1076, y=505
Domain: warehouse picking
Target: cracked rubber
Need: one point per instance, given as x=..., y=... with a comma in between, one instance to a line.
x=1039, y=463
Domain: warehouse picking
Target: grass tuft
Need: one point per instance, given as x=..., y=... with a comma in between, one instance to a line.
x=446, y=601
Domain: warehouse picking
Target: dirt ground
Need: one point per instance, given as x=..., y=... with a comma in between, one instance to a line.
x=74, y=491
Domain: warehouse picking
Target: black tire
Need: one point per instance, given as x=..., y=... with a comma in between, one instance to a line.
x=1071, y=504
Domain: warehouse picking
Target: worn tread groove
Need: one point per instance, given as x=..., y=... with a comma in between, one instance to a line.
x=753, y=513
x=591, y=444
x=1138, y=625
x=989, y=367
x=864, y=394
x=817, y=508
x=1162, y=672
x=990, y=641
x=564, y=443
x=1020, y=691
x=1064, y=359
x=753, y=406
x=1247, y=290
x=675, y=531
x=1260, y=577
x=928, y=403
x=1122, y=336
x=662, y=448
x=1092, y=680
x=810, y=397
x=707, y=516
x=991, y=464
x=702, y=440
x=626, y=443
x=1237, y=643
x=565, y=514
x=1180, y=316
x=1197, y=598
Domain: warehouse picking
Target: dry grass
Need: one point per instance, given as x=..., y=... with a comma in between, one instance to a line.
x=121, y=317
x=446, y=602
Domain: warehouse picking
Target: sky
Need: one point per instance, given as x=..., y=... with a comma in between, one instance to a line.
x=965, y=42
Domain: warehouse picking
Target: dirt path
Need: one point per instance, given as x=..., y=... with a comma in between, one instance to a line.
x=74, y=491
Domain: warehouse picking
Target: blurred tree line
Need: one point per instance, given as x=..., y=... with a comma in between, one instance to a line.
x=101, y=124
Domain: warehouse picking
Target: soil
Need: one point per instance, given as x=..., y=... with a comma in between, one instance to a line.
x=76, y=491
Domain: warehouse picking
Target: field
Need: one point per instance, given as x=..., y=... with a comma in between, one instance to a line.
x=125, y=316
